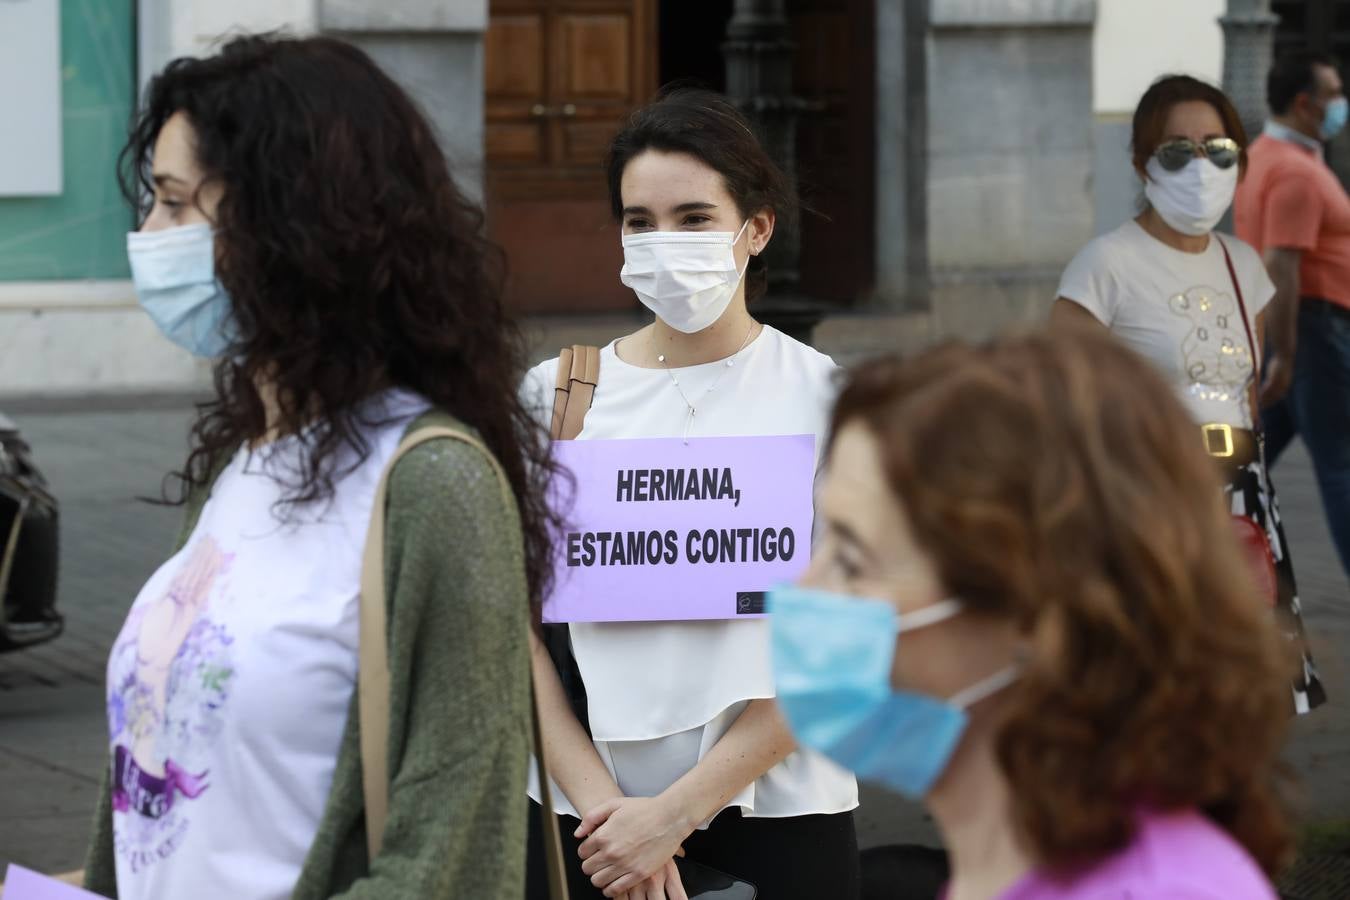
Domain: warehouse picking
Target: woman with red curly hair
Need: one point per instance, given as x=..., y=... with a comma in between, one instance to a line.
x=1088, y=698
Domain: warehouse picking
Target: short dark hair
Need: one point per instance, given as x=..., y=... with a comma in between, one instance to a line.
x=1150, y=117
x=1293, y=74
x=707, y=126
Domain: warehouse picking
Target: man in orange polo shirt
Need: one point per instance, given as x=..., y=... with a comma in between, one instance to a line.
x=1291, y=208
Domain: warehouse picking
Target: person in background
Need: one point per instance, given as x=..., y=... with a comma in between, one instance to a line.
x=300, y=229
x=1026, y=609
x=1292, y=208
x=1193, y=303
x=684, y=749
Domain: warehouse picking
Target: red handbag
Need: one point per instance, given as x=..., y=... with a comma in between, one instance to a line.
x=1251, y=537
x=1256, y=547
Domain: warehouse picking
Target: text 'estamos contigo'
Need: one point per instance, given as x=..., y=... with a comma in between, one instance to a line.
x=709, y=545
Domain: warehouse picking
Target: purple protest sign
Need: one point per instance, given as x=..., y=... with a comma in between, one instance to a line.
x=664, y=529
x=25, y=884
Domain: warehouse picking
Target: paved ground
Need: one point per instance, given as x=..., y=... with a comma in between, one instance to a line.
x=52, y=733
x=52, y=739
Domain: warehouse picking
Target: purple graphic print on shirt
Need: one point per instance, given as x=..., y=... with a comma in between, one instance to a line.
x=169, y=679
x=134, y=789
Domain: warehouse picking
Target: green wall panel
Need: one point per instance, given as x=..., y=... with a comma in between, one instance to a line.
x=82, y=233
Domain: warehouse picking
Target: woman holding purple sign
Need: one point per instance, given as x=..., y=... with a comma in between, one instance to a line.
x=688, y=763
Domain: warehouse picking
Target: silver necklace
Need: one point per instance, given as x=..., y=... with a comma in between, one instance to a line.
x=730, y=363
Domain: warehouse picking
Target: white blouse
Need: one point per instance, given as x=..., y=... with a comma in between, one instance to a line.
x=662, y=694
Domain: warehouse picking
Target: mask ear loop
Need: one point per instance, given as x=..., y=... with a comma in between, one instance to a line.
x=748, y=255
x=742, y=270
x=737, y=239
x=986, y=687
x=929, y=615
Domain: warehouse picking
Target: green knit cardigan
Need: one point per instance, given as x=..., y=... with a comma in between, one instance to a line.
x=459, y=738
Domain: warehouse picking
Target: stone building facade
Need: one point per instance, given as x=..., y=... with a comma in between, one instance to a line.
x=961, y=150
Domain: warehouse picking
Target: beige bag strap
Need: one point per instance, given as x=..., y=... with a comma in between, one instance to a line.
x=373, y=670
x=578, y=374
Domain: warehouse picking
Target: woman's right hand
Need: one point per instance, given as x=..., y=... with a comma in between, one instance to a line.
x=664, y=885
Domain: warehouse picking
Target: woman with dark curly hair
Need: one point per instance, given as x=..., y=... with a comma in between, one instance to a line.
x=301, y=229
x=998, y=620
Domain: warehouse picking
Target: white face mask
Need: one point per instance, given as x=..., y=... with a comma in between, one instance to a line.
x=686, y=277
x=1194, y=199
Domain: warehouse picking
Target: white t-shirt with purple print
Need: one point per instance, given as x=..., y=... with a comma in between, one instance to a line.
x=230, y=683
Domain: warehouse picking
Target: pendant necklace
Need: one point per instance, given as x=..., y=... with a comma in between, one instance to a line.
x=693, y=410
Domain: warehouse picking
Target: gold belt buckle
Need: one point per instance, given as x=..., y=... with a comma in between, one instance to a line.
x=1224, y=446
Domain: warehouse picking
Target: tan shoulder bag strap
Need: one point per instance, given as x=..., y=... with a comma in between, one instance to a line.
x=578, y=374
x=373, y=670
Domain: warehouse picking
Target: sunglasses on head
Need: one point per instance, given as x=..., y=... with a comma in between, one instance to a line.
x=1175, y=155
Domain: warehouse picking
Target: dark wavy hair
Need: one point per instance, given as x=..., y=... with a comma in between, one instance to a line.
x=1056, y=482
x=353, y=263
x=705, y=125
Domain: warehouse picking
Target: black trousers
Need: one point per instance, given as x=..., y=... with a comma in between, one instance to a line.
x=797, y=858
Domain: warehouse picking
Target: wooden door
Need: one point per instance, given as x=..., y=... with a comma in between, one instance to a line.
x=561, y=77
x=834, y=67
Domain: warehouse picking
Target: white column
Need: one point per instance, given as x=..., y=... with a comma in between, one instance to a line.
x=1009, y=182
x=1249, y=45
x=901, y=157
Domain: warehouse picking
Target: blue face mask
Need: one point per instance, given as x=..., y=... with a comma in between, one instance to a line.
x=833, y=657
x=1333, y=120
x=175, y=276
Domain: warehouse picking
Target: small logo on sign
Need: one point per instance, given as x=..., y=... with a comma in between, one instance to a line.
x=750, y=603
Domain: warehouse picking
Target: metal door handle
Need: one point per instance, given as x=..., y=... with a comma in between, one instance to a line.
x=540, y=111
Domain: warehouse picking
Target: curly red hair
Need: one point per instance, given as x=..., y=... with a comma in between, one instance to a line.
x=1054, y=479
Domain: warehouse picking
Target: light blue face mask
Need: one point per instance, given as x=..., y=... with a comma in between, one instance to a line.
x=1333, y=120
x=174, y=271
x=833, y=656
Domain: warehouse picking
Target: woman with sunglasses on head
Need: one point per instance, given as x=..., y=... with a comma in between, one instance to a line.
x=300, y=231
x=686, y=753
x=1086, y=696
x=1193, y=302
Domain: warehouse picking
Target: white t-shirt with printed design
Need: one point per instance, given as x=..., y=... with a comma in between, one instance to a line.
x=230, y=683
x=1180, y=311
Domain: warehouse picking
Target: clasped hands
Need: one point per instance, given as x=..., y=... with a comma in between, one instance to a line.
x=629, y=845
